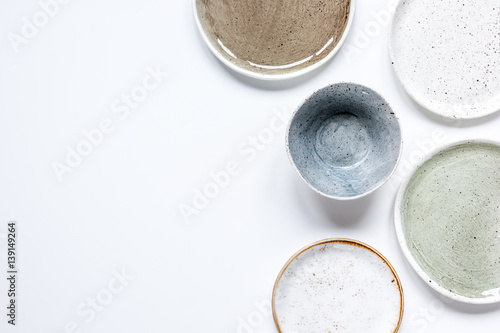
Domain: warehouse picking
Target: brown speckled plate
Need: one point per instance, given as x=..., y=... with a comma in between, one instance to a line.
x=274, y=39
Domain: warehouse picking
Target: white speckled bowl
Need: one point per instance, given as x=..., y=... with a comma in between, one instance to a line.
x=337, y=285
x=446, y=55
x=447, y=218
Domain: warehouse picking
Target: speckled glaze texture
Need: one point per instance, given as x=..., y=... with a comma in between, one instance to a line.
x=337, y=285
x=448, y=221
x=344, y=141
x=447, y=55
x=273, y=37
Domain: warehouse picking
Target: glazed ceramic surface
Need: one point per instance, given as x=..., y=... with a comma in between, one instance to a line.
x=448, y=221
x=274, y=39
x=344, y=141
x=447, y=55
x=337, y=285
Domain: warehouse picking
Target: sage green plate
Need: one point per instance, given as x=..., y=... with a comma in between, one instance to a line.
x=447, y=219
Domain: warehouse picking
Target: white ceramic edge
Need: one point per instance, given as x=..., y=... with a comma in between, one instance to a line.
x=408, y=91
x=399, y=227
x=339, y=240
x=331, y=196
x=277, y=77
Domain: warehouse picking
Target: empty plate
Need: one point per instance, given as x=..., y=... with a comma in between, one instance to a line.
x=337, y=285
x=274, y=39
x=448, y=221
x=447, y=55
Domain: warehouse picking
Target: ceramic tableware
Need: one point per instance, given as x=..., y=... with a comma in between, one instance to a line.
x=337, y=285
x=446, y=55
x=274, y=40
x=344, y=141
x=447, y=220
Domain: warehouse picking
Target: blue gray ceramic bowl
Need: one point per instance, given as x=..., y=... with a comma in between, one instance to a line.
x=344, y=141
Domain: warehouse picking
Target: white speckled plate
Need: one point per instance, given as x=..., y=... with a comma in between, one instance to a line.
x=447, y=55
x=447, y=217
x=337, y=285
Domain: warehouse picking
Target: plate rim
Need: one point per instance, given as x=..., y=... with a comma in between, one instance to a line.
x=399, y=228
x=348, y=241
x=275, y=77
x=409, y=91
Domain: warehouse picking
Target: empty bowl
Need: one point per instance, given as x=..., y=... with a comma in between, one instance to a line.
x=344, y=141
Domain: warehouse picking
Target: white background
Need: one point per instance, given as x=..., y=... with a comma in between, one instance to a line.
x=118, y=210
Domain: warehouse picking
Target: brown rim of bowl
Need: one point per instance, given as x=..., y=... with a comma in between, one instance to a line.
x=343, y=241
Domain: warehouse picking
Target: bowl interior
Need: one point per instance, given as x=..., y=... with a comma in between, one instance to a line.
x=344, y=140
